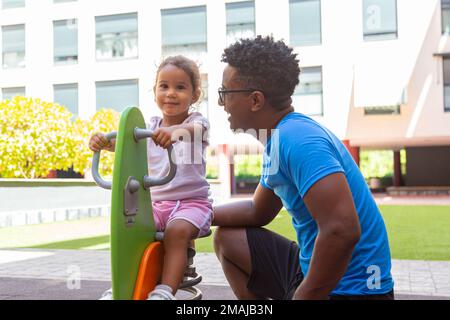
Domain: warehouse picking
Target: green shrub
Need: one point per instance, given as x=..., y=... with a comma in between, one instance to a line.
x=247, y=167
x=376, y=163
x=380, y=163
x=212, y=171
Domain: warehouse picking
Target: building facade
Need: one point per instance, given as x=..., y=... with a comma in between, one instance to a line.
x=376, y=72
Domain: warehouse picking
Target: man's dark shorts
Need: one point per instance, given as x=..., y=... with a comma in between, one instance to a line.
x=276, y=272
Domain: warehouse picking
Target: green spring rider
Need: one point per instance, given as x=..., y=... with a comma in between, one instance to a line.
x=137, y=252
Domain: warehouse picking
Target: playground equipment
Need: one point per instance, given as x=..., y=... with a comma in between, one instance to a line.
x=137, y=253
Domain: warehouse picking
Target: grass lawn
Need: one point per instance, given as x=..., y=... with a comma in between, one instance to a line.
x=58, y=235
x=415, y=233
x=92, y=243
x=418, y=232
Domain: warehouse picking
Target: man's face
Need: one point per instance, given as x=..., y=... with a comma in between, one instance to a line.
x=236, y=104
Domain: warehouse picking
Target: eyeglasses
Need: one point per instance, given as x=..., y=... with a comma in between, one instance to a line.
x=223, y=91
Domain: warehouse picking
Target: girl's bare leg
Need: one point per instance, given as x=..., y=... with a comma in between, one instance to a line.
x=177, y=238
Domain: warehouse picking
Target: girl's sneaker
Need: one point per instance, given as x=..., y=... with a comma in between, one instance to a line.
x=161, y=292
x=107, y=295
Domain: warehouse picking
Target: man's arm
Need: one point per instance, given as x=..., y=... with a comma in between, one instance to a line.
x=259, y=211
x=331, y=205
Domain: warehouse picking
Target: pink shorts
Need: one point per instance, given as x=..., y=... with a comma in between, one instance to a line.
x=196, y=211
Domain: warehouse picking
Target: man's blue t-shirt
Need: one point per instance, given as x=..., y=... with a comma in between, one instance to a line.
x=299, y=153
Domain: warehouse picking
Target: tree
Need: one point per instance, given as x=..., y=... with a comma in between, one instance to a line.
x=35, y=137
x=376, y=163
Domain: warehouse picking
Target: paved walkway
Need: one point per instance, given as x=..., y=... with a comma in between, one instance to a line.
x=46, y=274
x=383, y=198
x=428, y=279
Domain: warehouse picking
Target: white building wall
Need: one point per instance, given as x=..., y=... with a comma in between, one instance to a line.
x=341, y=48
x=422, y=121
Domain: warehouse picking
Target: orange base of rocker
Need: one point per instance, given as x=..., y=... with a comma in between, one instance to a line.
x=150, y=270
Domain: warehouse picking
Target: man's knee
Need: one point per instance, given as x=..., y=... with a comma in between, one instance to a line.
x=226, y=238
x=220, y=236
x=231, y=245
x=223, y=237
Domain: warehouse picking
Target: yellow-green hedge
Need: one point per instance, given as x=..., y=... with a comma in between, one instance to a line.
x=38, y=136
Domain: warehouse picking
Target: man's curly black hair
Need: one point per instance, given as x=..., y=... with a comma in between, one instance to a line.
x=266, y=64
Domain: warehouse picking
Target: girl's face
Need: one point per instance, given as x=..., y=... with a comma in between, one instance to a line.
x=174, y=93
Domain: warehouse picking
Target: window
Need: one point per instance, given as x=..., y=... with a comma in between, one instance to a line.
x=9, y=93
x=117, y=36
x=184, y=32
x=380, y=19
x=308, y=95
x=67, y=95
x=117, y=95
x=240, y=20
x=390, y=110
x=446, y=62
x=13, y=43
x=445, y=8
x=65, y=41
x=9, y=4
x=305, y=22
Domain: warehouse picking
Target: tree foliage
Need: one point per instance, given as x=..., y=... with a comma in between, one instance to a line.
x=105, y=120
x=248, y=167
x=376, y=163
x=37, y=137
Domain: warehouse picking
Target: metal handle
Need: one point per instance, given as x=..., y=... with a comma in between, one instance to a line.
x=95, y=162
x=149, y=181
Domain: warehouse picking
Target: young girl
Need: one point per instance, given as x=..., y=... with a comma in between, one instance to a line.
x=181, y=208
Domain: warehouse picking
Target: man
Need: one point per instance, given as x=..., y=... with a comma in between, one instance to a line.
x=343, y=250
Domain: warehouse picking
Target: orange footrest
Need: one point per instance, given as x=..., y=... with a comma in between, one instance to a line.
x=150, y=270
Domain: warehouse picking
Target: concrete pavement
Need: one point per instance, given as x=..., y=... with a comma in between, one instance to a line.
x=85, y=274
x=384, y=199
